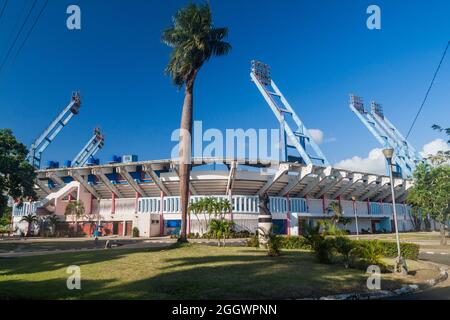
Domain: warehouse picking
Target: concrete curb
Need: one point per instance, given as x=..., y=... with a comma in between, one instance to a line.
x=404, y=290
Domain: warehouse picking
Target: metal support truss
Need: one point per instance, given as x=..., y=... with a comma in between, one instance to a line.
x=297, y=139
x=124, y=172
x=111, y=187
x=42, y=142
x=296, y=180
x=368, y=195
x=90, y=149
x=405, y=156
x=157, y=180
x=282, y=169
x=231, y=177
x=76, y=176
x=322, y=176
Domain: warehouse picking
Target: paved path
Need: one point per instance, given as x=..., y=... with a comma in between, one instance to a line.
x=439, y=292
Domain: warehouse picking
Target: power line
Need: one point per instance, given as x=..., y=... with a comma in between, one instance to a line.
x=17, y=35
x=3, y=9
x=428, y=91
x=32, y=27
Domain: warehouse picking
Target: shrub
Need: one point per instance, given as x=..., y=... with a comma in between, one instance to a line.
x=389, y=248
x=135, y=232
x=324, y=249
x=292, y=242
x=253, y=241
x=273, y=245
x=369, y=252
x=344, y=246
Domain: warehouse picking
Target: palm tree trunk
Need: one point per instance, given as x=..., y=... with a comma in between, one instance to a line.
x=185, y=151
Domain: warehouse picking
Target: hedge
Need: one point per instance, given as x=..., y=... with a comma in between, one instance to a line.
x=389, y=248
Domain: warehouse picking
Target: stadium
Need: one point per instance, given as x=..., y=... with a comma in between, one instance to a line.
x=127, y=193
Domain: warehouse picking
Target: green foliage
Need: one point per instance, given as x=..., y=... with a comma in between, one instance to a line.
x=323, y=247
x=253, y=241
x=220, y=229
x=293, y=242
x=135, y=232
x=75, y=209
x=388, y=249
x=16, y=174
x=324, y=250
x=330, y=229
x=5, y=220
x=31, y=219
x=431, y=193
x=369, y=252
x=194, y=40
x=273, y=245
x=272, y=242
x=344, y=247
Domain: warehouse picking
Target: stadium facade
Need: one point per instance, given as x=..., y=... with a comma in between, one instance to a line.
x=145, y=195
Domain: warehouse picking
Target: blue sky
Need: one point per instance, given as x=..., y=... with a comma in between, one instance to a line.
x=319, y=52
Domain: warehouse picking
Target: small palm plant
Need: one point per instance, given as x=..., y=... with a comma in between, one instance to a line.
x=31, y=219
x=336, y=209
x=272, y=242
x=53, y=220
x=76, y=210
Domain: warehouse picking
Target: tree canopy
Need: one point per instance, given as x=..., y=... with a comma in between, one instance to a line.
x=16, y=174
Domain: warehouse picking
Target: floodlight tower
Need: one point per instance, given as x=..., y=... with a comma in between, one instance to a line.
x=90, y=149
x=299, y=139
x=406, y=157
x=42, y=142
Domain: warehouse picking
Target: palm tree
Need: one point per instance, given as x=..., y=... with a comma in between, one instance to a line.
x=336, y=209
x=76, y=210
x=30, y=219
x=53, y=220
x=194, y=40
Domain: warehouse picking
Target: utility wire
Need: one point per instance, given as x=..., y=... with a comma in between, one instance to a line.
x=3, y=9
x=32, y=27
x=428, y=91
x=17, y=36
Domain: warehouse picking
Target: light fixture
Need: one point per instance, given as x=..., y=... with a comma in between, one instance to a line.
x=388, y=153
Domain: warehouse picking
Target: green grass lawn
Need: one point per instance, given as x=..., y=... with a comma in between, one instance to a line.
x=32, y=245
x=188, y=272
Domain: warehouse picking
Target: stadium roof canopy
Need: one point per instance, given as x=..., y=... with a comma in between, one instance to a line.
x=214, y=176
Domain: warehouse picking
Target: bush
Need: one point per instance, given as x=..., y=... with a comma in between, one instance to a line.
x=273, y=245
x=324, y=249
x=389, y=248
x=253, y=241
x=292, y=242
x=344, y=246
x=369, y=252
x=135, y=232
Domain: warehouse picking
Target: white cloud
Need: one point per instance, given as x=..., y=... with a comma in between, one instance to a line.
x=373, y=163
x=433, y=147
x=317, y=135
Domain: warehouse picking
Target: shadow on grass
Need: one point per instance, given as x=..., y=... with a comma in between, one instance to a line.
x=54, y=261
x=244, y=275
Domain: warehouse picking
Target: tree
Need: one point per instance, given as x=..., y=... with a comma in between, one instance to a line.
x=76, y=210
x=16, y=174
x=194, y=40
x=53, y=220
x=442, y=156
x=31, y=219
x=214, y=211
x=430, y=194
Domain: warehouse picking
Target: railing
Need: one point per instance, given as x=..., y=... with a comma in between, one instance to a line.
x=242, y=205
